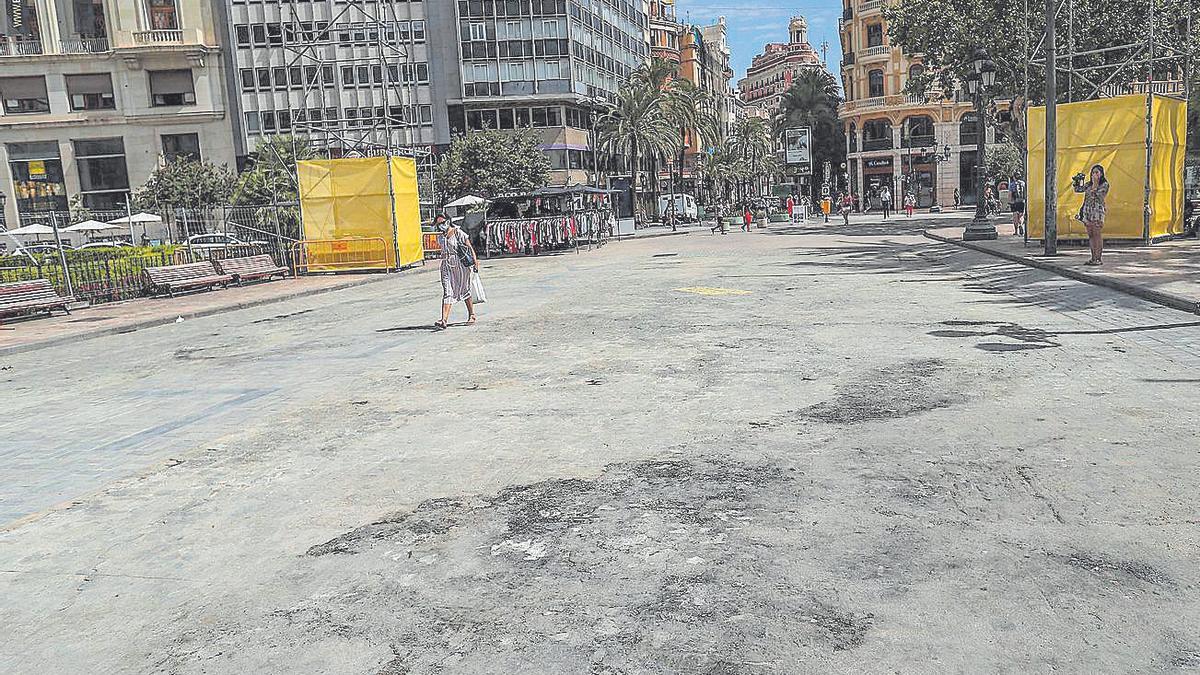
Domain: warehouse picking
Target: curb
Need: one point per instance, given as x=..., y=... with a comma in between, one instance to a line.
x=162, y=321
x=1158, y=297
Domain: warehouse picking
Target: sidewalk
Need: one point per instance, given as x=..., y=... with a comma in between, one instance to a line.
x=22, y=334
x=1167, y=273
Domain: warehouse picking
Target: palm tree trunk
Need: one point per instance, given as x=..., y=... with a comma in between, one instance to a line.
x=633, y=176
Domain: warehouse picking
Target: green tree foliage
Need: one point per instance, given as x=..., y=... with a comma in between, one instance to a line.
x=185, y=183
x=492, y=162
x=270, y=176
x=812, y=101
x=1004, y=161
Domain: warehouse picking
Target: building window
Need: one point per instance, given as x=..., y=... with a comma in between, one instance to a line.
x=875, y=84
x=90, y=92
x=479, y=31
x=89, y=18
x=181, y=146
x=162, y=14
x=24, y=95
x=252, y=122
x=968, y=130
x=875, y=35
x=103, y=179
x=172, y=87
x=37, y=176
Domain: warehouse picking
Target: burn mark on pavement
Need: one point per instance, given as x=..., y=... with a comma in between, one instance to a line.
x=675, y=562
x=1114, y=570
x=908, y=388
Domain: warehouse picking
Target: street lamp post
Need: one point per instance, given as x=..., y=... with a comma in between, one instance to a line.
x=981, y=227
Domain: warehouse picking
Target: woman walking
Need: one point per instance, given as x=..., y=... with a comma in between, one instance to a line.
x=456, y=274
x=910, y=202
x=1094, y=210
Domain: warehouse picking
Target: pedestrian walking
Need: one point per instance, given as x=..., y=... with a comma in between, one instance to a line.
x=747, y=218
x=957, y=198
x=885, y=201
x=1094, y=211
x=847, y=207
x=910, y=203
x=791, y=208
x=458, y=262
x=1016, y=202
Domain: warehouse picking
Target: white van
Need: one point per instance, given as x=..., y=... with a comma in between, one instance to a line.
x=685, y=207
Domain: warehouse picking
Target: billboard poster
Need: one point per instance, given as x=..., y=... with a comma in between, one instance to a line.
x=798, y=150
x=16, y=21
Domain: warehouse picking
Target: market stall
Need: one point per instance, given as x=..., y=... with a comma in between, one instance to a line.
x=549, y=219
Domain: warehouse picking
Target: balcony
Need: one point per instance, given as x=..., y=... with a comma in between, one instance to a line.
x=879, y=52
x=848, y=59
x=84, y=45
x=870, y=7
x=19, y=47
x=873, y=144
x=847, y=14
x=158, y=37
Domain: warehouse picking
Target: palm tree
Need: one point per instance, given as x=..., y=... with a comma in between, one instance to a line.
x=689, y=109
x=753, y=145
x=635, y=127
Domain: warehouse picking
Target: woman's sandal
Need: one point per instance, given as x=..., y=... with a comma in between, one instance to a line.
x=439, y=325
x=471, y=320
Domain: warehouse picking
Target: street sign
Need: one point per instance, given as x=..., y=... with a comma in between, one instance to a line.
x=798, y=150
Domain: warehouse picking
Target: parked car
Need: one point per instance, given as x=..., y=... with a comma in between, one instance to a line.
x=205, y=242
x=103, y=244
x=42, y=248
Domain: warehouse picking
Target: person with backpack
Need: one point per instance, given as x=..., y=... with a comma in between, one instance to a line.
x=1016, y=199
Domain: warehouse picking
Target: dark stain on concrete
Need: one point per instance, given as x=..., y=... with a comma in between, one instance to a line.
x=893, y=392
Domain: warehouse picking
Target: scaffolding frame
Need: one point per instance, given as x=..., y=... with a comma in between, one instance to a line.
x=1149, y=57
x=390, y=86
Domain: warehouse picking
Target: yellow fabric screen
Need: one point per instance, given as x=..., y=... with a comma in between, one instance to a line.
x=408, y=210
x=353, y=198
x=1111, y=133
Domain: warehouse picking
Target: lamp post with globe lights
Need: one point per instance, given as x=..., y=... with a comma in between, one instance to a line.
x=978, y=84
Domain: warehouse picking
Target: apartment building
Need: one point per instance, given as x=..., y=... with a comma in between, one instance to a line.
x=771, y=72
x=924, y=142
x=665, y=31
x=97, y=93
x=544, y=64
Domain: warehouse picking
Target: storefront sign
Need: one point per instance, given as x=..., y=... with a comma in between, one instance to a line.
x=877, y=163
x=37, y=169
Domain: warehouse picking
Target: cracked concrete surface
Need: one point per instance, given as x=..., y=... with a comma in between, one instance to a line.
x=838, y=471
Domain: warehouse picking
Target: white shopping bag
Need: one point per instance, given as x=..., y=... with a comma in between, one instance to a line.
x=478, y=296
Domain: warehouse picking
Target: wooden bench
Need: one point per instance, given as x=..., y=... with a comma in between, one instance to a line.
x=18, y=297
x=173, y=278
x=250, y=268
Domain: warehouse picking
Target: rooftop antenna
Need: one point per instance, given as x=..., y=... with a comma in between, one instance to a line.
x=825, y=53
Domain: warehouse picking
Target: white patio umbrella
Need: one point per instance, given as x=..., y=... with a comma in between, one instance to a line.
x=34, y=228
x=92, y=226
x=469, y=200
x=142, y=218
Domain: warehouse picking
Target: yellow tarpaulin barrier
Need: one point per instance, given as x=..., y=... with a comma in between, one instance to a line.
x=368, y=198
x=1112, y=133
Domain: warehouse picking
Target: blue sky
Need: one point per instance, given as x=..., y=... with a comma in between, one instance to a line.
x=753, y=23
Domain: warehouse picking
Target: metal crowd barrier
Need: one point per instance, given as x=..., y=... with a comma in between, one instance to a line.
x=339, y=255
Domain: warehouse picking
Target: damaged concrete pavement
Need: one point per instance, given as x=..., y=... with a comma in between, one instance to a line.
x=816, y=449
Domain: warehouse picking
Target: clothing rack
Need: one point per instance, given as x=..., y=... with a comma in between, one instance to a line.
x=537, y=235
